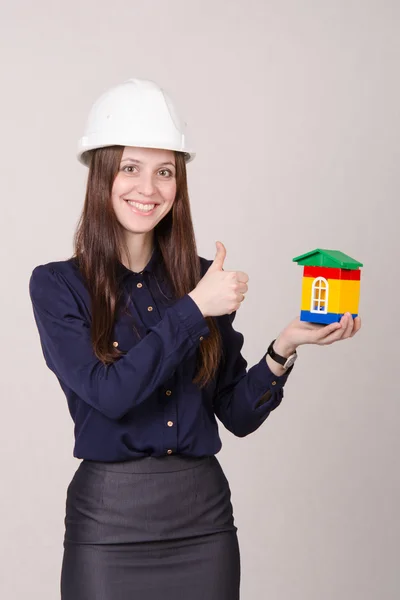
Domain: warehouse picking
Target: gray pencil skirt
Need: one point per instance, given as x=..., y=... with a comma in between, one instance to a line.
x=150, y=529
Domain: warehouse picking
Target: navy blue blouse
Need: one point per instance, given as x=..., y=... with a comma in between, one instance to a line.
x=145, y=403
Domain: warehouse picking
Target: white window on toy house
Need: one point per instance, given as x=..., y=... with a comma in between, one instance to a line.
x=319, y=296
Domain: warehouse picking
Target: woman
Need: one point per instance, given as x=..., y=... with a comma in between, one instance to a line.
x=138, y=330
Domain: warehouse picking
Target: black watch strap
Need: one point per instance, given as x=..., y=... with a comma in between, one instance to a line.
x=281, y=359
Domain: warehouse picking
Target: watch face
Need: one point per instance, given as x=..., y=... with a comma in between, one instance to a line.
x=290, y=361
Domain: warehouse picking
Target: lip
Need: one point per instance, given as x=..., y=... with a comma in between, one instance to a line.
x=140, y=212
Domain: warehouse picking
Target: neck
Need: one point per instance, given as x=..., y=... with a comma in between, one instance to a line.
x=140, y=248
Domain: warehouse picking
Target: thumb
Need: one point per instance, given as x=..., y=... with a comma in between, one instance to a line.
x=218, y=263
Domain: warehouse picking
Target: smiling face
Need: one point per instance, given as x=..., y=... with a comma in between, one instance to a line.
x=144, y=189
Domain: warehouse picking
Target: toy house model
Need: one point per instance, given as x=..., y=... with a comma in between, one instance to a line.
x=331, y=285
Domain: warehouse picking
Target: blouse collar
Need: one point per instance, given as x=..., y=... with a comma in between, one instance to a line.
x=151, y=266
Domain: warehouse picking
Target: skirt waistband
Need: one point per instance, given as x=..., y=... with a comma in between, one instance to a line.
x=152, y=464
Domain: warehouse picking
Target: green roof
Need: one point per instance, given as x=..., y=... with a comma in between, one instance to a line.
x=328, y=258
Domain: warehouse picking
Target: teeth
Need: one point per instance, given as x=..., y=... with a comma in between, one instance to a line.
x=143, y=207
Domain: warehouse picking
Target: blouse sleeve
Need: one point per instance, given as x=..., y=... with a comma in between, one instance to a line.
x=116, y=388
x=244, y=399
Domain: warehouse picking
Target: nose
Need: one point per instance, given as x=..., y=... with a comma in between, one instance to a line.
x=145, y=185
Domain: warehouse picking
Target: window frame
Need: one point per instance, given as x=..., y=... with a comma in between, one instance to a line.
x=318, y=300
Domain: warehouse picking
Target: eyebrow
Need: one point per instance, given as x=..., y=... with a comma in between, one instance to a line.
x=139, y=162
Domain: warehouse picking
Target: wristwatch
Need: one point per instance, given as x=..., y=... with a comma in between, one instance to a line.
x=285, y=362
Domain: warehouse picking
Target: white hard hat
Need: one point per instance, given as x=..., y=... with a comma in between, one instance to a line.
x=134, y=113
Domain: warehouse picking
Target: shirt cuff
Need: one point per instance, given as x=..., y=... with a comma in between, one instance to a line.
x=267, y=383
x=192, y=318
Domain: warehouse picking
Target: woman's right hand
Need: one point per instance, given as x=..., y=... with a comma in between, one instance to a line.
x=220, y=292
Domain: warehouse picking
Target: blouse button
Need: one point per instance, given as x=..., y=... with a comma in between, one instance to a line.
x=274, y=383
x=169, y=451
x=139, y=285
x=149, y=308
x=168, y=392
x=115, y=344
x=170, y=423
x=201, y=338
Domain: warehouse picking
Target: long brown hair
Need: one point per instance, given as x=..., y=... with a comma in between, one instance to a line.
x=98, y=246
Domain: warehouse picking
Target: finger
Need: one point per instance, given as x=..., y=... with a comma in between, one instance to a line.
x=348, y=326
x=321, y=327
x=242, y=277
x=333, y=337
x=328, y=330
x=317, y=336
x=357, y=326
x=218, y=262
x=313, y=326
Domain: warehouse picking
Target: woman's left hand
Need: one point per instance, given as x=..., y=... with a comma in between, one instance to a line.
x=299, y=332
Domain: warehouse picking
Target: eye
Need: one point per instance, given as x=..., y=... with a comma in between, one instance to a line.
x=128, y=167
x=166, y=171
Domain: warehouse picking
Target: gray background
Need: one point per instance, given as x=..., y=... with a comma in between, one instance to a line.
x=294, y=111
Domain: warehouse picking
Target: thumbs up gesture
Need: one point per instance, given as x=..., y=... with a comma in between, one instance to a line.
x=220, y=292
